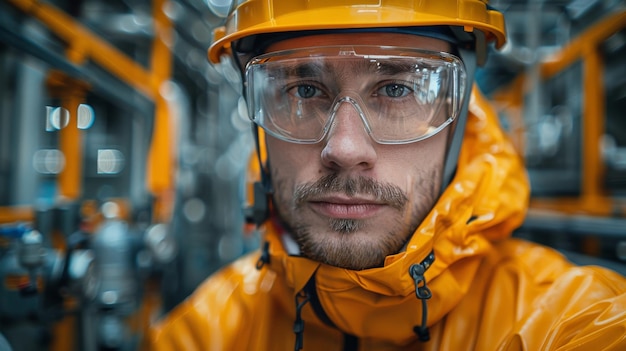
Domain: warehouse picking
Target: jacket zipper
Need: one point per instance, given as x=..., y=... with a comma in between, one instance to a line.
x=350, y=342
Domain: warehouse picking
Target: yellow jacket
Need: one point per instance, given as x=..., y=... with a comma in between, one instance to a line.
x=488, y=291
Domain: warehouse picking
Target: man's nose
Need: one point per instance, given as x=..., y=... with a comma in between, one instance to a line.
x=348, y=145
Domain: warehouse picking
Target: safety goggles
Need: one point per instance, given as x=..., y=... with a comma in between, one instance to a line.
x=402, y=95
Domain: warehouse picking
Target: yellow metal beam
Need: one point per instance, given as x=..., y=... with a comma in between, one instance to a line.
x=72, y=93
x=573, y=51
x=586, y=49
x=16, y=214
x=83, y=44
x=593, y=167
x=161, y=159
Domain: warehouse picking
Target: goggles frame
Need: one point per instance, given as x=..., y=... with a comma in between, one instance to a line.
x=453, y=90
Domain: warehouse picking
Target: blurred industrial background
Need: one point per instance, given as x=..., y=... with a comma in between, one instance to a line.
x=124, y=154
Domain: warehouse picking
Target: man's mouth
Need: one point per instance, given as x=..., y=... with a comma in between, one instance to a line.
x=359, y=197
x=346, y=207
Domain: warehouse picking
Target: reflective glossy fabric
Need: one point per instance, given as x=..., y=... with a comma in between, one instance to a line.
x=490, y=292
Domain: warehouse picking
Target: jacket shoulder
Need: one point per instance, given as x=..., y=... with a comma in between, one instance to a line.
x=547, y=266
x=211, y=318
x=558, y=305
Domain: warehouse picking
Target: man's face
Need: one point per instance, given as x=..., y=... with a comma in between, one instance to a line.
x=349, y=201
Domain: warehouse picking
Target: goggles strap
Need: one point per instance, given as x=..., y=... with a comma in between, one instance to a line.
x=452, y=157
x=474, y=41
x=258, y=212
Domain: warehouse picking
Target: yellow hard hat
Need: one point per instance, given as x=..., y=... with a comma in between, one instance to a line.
x=254, y=17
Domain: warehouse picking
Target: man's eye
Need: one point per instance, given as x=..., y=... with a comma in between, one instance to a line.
x=394, y=90
x=306, y=91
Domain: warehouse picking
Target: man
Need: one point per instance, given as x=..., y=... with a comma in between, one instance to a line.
x=393, y=196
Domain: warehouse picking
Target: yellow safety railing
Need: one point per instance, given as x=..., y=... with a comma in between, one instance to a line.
x=585, y=48
x=82, y=45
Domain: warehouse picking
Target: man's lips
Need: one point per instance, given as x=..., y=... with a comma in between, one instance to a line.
x=346, y=208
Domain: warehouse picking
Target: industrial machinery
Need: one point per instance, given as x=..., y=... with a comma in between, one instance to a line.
x=560, y=88
x=89, y=281
x=120, y=178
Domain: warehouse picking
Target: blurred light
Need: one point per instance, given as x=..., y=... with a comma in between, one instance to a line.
x=128, y=23
x=86, y=116
x=229, y=248
x=168, y=90
x=238, y=122
x=194, y=210
x=49, y=111
x=110, y=210
x=200, y=32
x=135, y=23
x=187, y=182
x=195, y=59
x=48, y=161
x=57, y=118
x=160, y=243
x=549, y=135
x=615, y=42
x=612, y=153
x=230, y=71
x=219, y=7
x=82, y=275
x=110, y=161
x=242, y=109
x=225, y=167
x=213, y=75
x=577, y=8
x=173, y=10
x=169, y=38
x=189, y=155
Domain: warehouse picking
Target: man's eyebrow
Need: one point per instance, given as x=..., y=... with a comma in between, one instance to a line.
x=305, y=69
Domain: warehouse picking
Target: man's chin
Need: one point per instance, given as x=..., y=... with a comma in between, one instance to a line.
x=349, y=256
x=345, y=225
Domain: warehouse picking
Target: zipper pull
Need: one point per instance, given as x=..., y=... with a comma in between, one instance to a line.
x=298, y=325
x=265, y=256
x=423, y=293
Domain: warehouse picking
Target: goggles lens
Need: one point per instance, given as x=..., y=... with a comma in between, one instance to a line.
x=402, y=95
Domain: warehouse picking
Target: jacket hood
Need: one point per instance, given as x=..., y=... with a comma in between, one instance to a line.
x=485, y=201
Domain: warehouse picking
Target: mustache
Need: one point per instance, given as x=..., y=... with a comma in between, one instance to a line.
x=386, y=193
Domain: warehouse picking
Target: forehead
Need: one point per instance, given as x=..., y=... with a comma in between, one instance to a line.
x=345, y=71
x=387, y=39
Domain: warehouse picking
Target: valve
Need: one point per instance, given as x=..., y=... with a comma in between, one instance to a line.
x=160, y=243
x=31, y=254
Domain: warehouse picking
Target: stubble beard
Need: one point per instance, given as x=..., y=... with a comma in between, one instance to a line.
x=346, y=243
